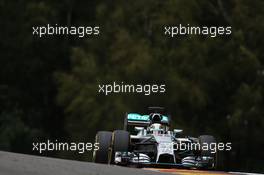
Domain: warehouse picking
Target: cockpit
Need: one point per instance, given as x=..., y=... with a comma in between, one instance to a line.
x=157, y=124
x=157, y=128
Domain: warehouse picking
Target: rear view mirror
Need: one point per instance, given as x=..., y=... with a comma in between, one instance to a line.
x=139, y=128
x=177, y=131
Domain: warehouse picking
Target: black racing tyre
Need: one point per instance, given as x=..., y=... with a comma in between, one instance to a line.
x=208, y=139
x=104, y=139
x=120, y=142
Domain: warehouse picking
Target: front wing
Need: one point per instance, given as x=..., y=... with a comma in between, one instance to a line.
x=130, y=159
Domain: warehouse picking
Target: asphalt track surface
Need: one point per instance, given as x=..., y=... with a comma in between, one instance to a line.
x=21, y=164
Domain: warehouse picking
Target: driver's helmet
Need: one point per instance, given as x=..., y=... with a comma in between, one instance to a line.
x=158, y=128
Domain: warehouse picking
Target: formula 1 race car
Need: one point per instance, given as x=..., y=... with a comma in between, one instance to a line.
x=147, y=141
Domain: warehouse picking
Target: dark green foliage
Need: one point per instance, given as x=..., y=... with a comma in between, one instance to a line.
x=49, y=86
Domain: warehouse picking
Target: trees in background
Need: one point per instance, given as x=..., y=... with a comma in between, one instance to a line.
x=213, y=85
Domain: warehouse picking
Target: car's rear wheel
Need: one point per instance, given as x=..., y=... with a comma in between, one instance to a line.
x=209, y=140
x=103, y=138
x=120, y=143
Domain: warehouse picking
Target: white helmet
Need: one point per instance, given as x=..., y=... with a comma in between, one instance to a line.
x=158, y=128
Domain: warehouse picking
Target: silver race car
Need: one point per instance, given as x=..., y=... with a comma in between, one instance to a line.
x=147, y=141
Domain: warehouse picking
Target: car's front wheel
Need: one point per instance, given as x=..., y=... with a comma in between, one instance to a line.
x=103, y=138
x=120, y=143
x=209, y=142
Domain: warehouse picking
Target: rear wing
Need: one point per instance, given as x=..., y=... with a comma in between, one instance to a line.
x=137, y=120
